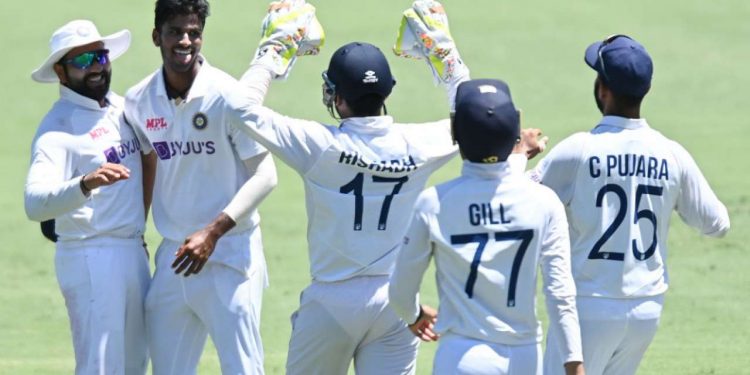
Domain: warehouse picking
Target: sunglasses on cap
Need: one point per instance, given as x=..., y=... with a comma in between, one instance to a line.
x=86, y=59
x=605, y=42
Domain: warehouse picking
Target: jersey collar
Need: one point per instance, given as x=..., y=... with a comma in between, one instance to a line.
x=623, y=122
x=493, y=171
x=80, y=100
x=197, y=89
x=367, y=125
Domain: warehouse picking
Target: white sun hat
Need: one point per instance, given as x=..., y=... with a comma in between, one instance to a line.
x=75, y=34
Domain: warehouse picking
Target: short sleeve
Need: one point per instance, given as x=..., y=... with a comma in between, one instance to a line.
x=131, y=119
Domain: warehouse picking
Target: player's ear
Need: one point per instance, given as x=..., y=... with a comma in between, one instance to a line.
x=155, y=37
x=60, y=71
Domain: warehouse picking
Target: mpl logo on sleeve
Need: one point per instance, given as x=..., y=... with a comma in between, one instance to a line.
x=98, y=132
x=156, y=123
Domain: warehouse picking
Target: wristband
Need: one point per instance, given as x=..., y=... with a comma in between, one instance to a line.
x=84, y=188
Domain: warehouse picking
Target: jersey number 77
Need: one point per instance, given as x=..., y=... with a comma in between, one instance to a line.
x=481, y=239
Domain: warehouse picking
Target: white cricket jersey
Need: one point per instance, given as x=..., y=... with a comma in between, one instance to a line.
x=361, y=181
x=199, y=147
x=620, y=183
x=489, y=231
x=76, y=137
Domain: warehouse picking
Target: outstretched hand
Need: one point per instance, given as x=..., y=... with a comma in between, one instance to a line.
x=107, y=174
x=289, y=29
x=424, y=34
x=532, y=143
x=423, y=327
x=194, y=252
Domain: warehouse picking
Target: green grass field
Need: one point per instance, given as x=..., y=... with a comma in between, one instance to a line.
x=699, y=98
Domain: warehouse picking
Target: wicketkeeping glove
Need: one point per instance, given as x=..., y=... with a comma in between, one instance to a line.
x=290, y=29
x=424, y=34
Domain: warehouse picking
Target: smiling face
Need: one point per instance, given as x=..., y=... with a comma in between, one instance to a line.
x=180, y=39
x=92, y=81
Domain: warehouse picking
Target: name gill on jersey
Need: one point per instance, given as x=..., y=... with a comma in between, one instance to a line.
x=484, y=214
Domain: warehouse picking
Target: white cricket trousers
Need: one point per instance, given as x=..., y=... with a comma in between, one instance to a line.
x=220, y=301
x=460, y=355
x=349, y=320
x=104, y=283
x=615, y=334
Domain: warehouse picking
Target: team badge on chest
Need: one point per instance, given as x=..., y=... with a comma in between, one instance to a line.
x=200, y=121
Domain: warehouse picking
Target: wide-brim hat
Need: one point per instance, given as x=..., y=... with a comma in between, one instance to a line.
x=75, y=34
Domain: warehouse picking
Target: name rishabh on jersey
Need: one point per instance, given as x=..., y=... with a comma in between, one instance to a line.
x=620, y=183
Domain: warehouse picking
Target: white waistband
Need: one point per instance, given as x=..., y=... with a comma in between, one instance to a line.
x=98, y=241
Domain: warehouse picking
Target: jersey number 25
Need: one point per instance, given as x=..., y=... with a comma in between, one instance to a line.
x=647, y=214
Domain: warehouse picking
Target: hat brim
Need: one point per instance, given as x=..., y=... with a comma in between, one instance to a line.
x=592, y=55
x=116, y=43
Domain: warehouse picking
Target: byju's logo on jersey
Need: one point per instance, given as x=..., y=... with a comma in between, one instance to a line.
x=168, y=150
x=115, y=154
x=156, y=123
x=370, y=77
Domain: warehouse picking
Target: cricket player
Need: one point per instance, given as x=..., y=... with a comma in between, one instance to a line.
x=488, y=230
x=361, y=180
x=210, y=267
x=85, y=174
x=620, y=183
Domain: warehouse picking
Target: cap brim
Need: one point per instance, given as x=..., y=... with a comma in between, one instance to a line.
x=592, y=55
x=116, y=43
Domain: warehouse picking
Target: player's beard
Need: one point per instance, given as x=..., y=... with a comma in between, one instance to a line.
x=93, y=85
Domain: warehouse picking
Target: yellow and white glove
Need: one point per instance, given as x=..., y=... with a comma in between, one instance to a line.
x=290, y=29
x=424, y=34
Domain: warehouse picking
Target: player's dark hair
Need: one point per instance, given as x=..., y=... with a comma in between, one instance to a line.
x=622, y=100
x=166, y=9
x=627, y=101
x=367, y=105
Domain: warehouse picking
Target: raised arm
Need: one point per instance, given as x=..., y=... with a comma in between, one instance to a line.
x=424, y=34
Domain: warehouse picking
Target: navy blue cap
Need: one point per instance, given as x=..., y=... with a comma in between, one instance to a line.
x=486, y=124
x=623, y=64
x=358, y=69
